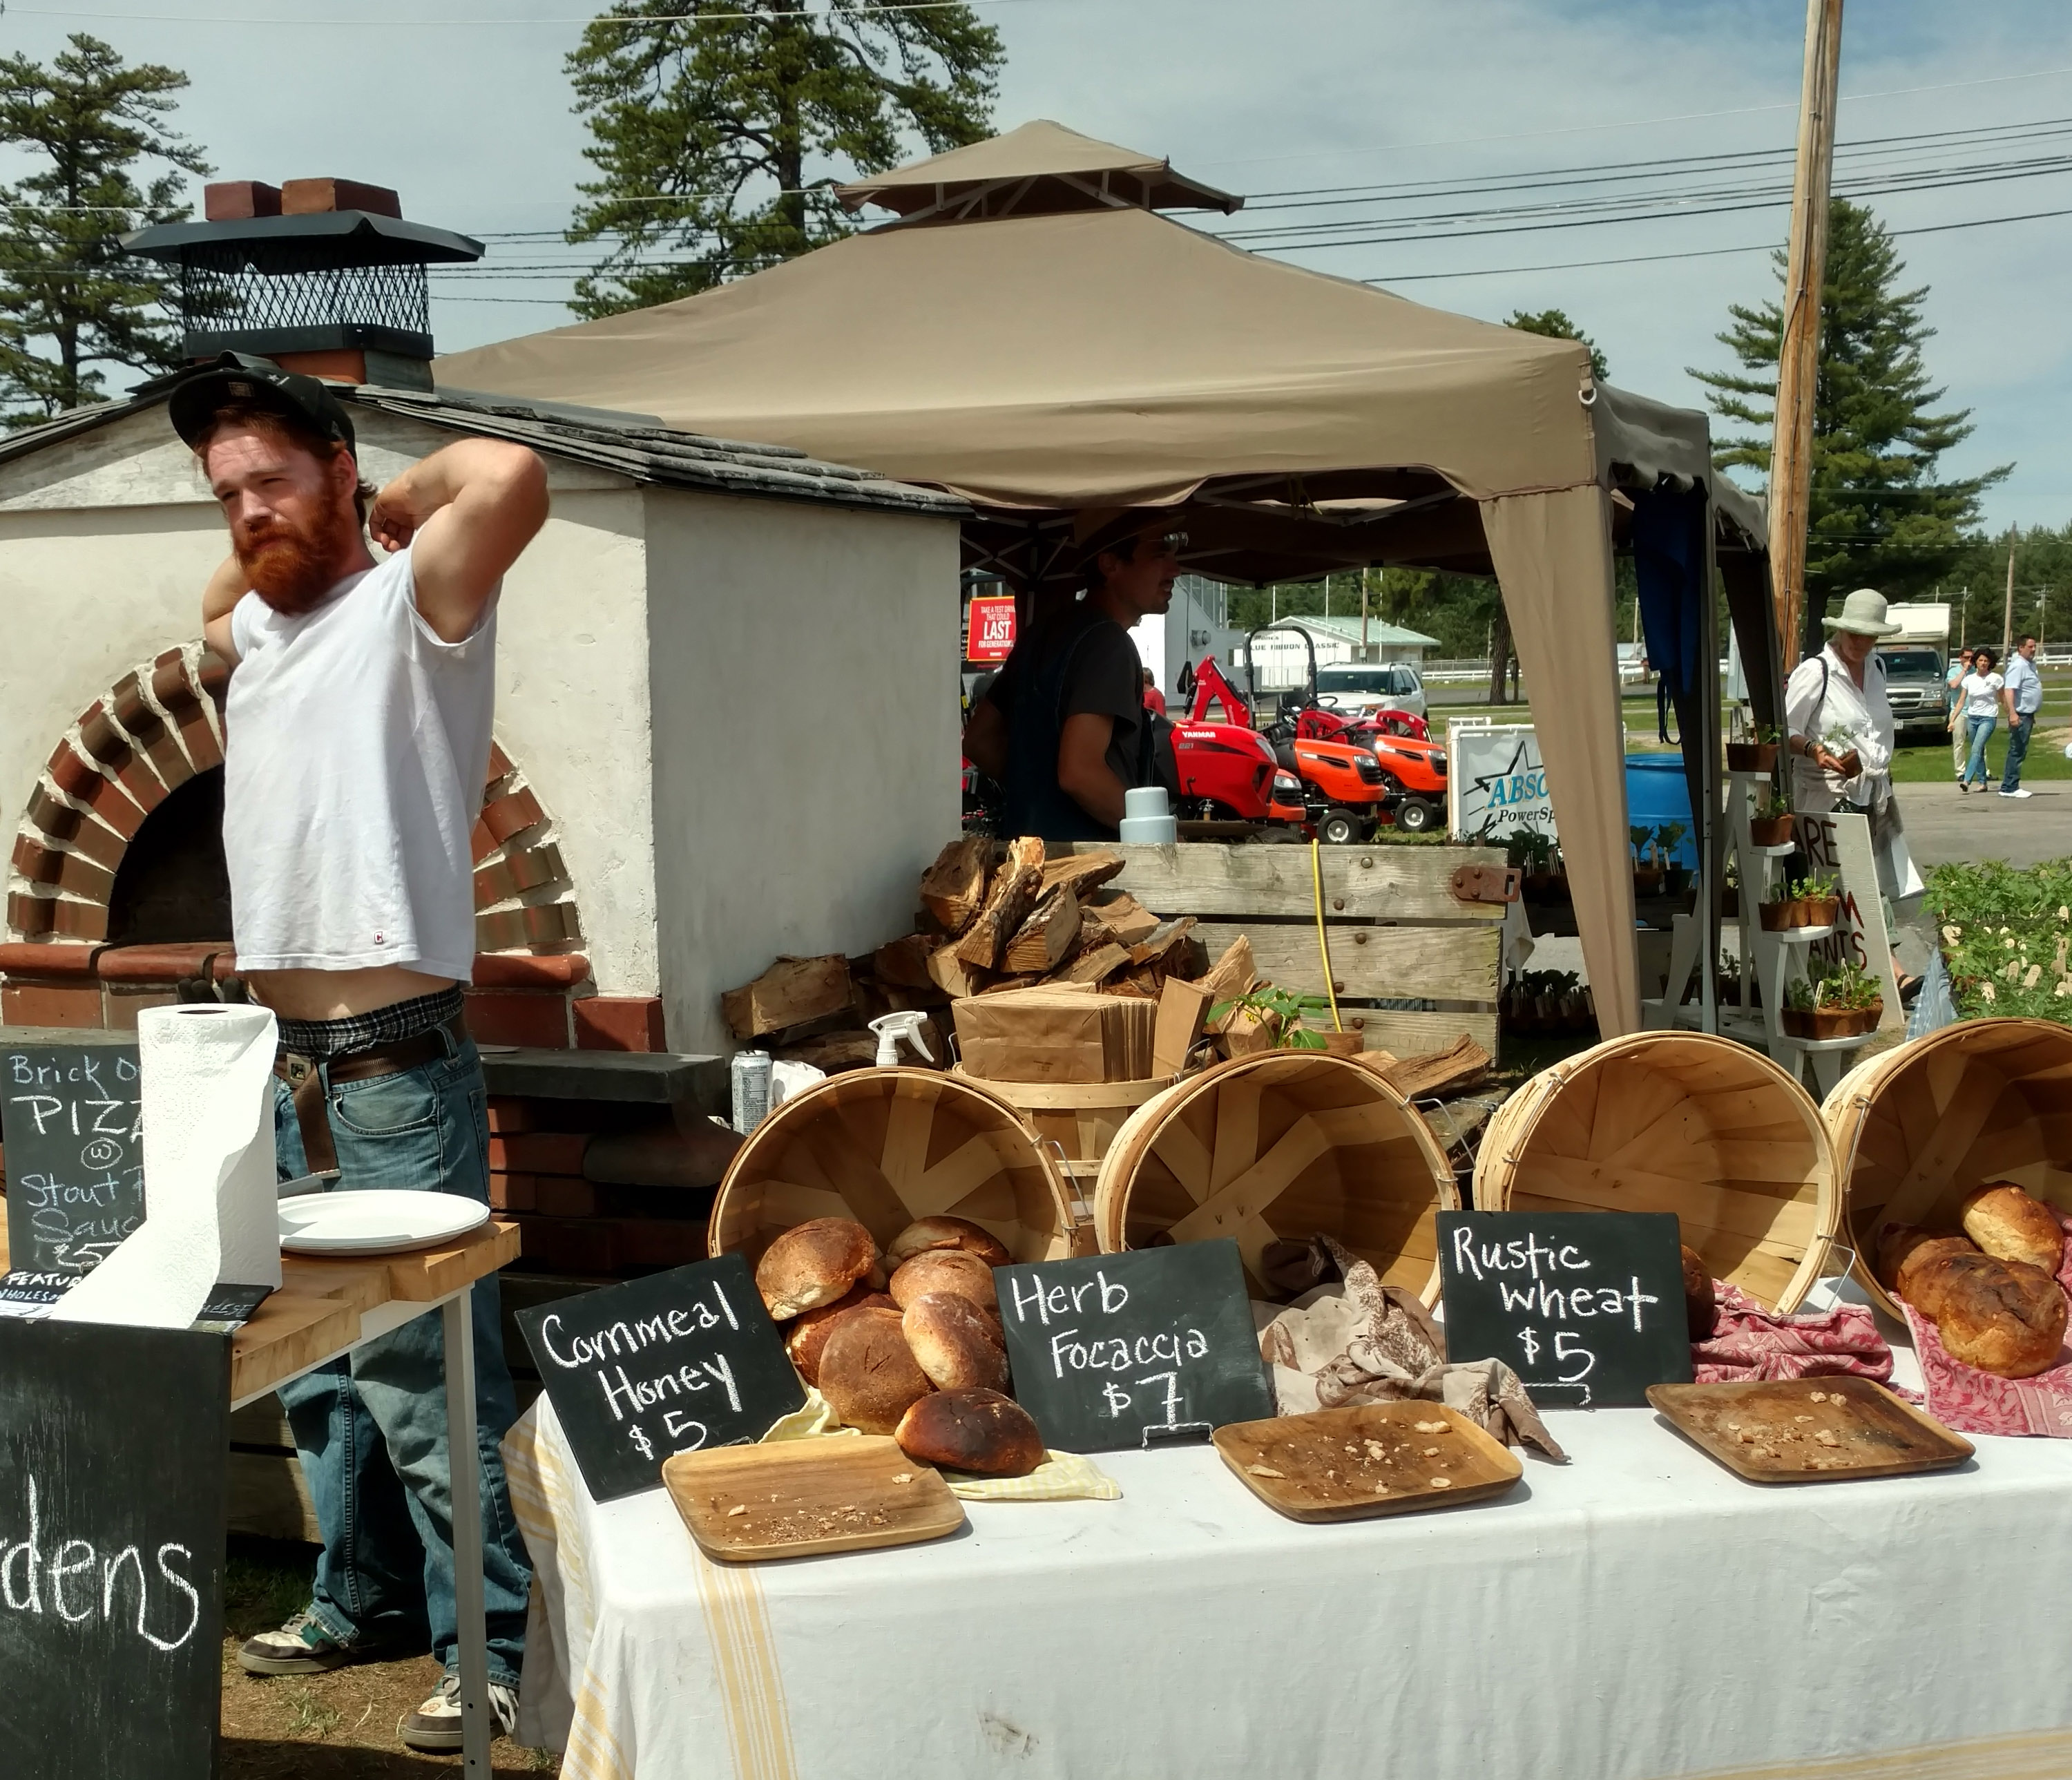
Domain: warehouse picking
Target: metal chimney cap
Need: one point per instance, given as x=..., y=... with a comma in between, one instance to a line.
x=329, y=238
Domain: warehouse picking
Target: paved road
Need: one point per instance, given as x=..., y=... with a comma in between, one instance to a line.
x=1943, y=825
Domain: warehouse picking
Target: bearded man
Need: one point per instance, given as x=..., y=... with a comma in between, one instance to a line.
x=357, y=732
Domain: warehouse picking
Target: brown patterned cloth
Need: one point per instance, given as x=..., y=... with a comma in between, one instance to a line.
x=1357, y=1341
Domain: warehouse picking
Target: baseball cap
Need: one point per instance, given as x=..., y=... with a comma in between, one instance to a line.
x=240, y=379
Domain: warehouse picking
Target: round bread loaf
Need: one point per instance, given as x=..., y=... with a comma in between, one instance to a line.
x=978, y=1431
x=2005, y=1318
x=813, y=1263
x=925, y=1234
x=1902, y=1246
x=958, y=1344
x=868, y=1373
x=1701, y=1302
x=2008, y=1225
x=807, y=1336
x=945, y=1270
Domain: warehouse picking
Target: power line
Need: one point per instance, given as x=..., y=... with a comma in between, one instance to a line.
x=591, y=18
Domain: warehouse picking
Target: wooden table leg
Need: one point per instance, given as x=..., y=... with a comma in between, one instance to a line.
x=477, y=1727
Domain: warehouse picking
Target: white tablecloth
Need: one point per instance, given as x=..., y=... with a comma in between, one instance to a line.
x=1638, y=1613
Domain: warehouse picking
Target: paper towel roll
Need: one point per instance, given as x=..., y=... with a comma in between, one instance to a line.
x=206, y=1104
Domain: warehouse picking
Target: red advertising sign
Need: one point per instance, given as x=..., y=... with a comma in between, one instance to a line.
x=990, y=636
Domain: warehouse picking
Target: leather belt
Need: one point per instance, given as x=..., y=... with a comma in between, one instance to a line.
x=306, y=1077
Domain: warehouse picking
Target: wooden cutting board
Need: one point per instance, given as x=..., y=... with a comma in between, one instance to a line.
x=1382, y=1458
x=1808, y=1430
x=801, y=1498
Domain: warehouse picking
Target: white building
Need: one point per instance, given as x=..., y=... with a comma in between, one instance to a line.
x=1280, y=662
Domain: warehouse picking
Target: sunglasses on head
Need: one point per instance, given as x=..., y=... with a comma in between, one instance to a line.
x=1165, y=544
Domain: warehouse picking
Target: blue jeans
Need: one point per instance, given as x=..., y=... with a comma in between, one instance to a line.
x=1975, y=768
x=371, y=1428
x=2019, y=732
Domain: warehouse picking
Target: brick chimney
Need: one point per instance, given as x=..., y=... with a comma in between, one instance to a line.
x=323, y=276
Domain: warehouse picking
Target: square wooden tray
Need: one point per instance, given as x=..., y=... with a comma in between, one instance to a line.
x=801, y=1498
x=1374, y=1459
x=1831, y=1430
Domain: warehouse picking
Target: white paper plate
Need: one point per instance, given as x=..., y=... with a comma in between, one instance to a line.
x=376, y=1221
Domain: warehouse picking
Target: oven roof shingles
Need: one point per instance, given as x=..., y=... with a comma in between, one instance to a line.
x=635, y=446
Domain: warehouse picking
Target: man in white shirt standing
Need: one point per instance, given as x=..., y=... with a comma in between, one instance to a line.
x=357, y=730
x=2023, y=694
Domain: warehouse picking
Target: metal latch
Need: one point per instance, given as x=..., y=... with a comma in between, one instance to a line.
x=1496, y=884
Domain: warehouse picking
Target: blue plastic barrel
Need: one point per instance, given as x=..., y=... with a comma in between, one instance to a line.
x=1656, y=792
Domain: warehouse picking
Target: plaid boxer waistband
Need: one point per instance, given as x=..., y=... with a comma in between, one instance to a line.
x=320, y=1040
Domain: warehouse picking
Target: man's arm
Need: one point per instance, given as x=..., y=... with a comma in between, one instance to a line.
x=986, y=740
x=1083, y=773
x=218, y=600
x=468, y=510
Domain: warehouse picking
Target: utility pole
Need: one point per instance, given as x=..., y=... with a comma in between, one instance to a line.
x=1364, y=573
x=1797, y=369
x=2006, y=620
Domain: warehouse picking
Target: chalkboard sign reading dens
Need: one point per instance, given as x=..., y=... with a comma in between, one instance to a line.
x=1587, y=1307
x=670, y=1364
x=68, y=1115
x=1124, y=1351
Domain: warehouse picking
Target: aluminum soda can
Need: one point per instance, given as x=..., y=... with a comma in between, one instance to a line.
x=749, y=1074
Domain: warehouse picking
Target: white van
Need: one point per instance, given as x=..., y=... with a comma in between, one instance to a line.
x=1372, y=686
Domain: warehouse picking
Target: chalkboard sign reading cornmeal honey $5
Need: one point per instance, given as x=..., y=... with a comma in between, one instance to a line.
x=1586, y=1307
x=68, y=1115
x=672, y=1364
x=1125, y=1351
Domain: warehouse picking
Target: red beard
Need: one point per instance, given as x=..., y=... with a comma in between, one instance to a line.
x=291, y=568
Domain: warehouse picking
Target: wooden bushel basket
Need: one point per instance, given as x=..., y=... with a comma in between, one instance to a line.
x=1685, y=1122
x=1916, y=1128
x=1083, y=1119
x=1284, y=1143
x=885, y=1147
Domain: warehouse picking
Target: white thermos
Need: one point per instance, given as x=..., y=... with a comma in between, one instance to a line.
x=1147, y=818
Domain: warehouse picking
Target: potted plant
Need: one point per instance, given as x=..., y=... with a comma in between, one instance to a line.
x=1841, y=742
x=1647, y=871
x=1279, y=1012
x=1770, y=825
x=1796, y=1015
x=1758, y=756
x=1675, y=878
x=1854, y=997
x=1818, y=901
x=1778, y=911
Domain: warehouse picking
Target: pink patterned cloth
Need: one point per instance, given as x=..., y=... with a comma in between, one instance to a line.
x=1972, y=1402
x=1749, y=1343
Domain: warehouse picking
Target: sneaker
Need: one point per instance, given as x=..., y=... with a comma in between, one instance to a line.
x=2018, y=791
x=435, y=1727
x=302, y=1646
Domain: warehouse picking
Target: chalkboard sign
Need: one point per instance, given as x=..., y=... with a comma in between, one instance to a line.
x=68, y=1116
x=1587, y=1307
x=1124, y=1351
x=678, y=1361
x=113, y=1453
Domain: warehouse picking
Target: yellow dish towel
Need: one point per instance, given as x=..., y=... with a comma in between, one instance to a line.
x=1062, y=1477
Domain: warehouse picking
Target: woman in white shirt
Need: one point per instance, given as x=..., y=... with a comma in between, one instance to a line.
x=1981, y=691
x=1960, y=664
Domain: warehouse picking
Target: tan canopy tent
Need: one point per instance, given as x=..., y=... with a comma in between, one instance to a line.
x=1033, y=334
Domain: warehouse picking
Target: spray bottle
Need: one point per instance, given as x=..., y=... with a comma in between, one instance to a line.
x=893, y=1030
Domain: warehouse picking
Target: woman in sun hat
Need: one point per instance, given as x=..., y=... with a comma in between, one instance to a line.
x=1835, y=706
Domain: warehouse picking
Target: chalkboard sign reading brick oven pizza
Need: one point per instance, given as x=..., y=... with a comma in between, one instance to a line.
x=1124, y=1351
x=672, y=1364
x=75, y=1166
x=114, y=1446
x=1587, y=1307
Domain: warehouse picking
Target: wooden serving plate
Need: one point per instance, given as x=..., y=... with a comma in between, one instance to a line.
x=1375, y=1459
x=1772, y=1431
x=802, y=1497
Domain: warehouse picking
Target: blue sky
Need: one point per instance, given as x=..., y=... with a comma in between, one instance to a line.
x=469, y=121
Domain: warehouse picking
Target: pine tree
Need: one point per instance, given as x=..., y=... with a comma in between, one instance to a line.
x=719, y=139
x=64, y=279
x=1554, y=323
x=1878, y=516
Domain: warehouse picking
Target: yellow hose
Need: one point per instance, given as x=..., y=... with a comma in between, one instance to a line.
x=1323, y=944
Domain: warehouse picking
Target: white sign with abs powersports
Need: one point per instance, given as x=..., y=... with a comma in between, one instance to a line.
x=1496, y=785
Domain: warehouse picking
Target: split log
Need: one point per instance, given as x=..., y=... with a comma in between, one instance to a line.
x=1460, y=1064
x=1044, y=939
x=836, y=1051
x=905, y=962
x=1162, y=940
x=793, y=991
x=1093, y=966
x=1082, y=871
x=1126, y=917
x=953, y=977
x=953, y=889
x=1007, y=905
x=1231, y=976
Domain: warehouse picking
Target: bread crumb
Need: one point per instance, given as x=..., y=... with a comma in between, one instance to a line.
x=1826, y=1438
x=902, y=1477
x=1442, y=1483
x=1431, y=1427
x=1820, y=1396
x=1431, y=1451
x=1265, y=1470
x=1801, y=1418
x=738, y=1508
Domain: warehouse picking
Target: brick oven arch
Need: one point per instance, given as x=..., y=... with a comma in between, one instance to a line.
x=159, y=726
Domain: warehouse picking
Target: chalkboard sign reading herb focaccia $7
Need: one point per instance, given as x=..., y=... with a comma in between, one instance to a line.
x=1587, y=1307
x=673, y=1363
x=1125, y=1351
x=75, y=1166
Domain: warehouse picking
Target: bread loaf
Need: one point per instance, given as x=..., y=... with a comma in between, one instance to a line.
x=1701, y=1302
x=1900, y=1245
x=807, y=1336
x=2010, y=1226
x=813, y=1263
x=958, y=1344
x=945, y=1270
x=868, y=1373
x=2005, y=1318
x=945, y=1232
x=979, y=1431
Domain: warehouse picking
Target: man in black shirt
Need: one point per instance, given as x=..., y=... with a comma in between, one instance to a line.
x=1063, y=726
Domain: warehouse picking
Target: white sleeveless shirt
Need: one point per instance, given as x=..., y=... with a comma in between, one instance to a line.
x=356, y=742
